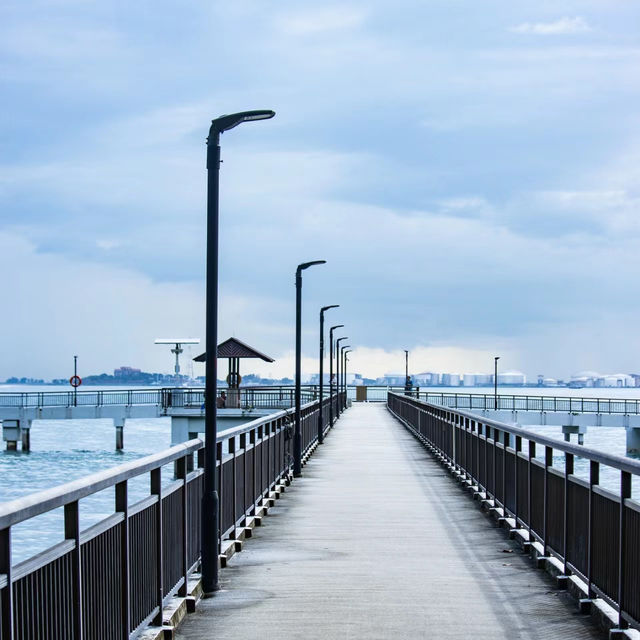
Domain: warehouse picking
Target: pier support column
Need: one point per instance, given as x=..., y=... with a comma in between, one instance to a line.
x=119, y=425
x=568, y=429
x=11, y=434
x=633, y=440
x=25, y=432
x=184, y=428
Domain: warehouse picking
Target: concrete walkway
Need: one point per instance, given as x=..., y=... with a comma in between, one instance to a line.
x=376, y=540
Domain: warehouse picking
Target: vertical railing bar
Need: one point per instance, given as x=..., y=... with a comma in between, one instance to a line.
x=568, y=471
x=625, y=493
x=156, y=489
x=594, y=480
x=531, y=456
x=6, y=594
x=72, y=532
x=181, y=474
x=548, y=462
x=122, y=505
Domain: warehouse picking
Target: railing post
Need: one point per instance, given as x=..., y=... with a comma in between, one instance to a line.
x=181, y=474
x=6, y=594
x=72, y=532
x=548, y=462
x=125, y=566
x=516, y=476
x=531, y=456
x=156, y=489
x=594, y=480
x=625, y=493
x=568, y=471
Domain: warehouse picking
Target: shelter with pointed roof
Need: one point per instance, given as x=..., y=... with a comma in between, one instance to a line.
x=234, y=350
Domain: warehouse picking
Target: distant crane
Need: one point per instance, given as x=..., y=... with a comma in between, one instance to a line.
x=177, y=350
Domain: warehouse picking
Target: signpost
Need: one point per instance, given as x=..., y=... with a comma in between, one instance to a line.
x=75, y=381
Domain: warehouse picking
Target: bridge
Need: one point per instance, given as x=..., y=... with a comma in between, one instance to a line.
x=183, y=405
x=411, y=520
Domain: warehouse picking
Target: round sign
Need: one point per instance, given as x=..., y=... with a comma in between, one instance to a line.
x=234, y=379
x=75, y=381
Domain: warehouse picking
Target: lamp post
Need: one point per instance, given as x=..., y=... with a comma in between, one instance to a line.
x=297, y=433
x=331, y=330
x=495, y=382
x=338, y=375
x=320, y=413
x=210, y=500
x=75, y=375
x=346, y=359
x=344, y=346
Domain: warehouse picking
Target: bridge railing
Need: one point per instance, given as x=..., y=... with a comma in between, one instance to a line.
x=111, y=579
x=594, y=532
x=249, y=397
x=515, y=402
x=531, y=403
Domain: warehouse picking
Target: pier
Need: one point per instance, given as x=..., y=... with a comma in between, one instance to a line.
x=411, y=520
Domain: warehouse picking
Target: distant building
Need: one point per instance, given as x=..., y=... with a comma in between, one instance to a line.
x=126, y=372
x=450, y=379
x=513, y=378
x=477, y=379
x=426, y=379
x=618, y=380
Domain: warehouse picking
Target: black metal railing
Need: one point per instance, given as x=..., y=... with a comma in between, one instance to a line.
x=110, y=580
x=248, y=397
x=518, y=402
x=594, y=532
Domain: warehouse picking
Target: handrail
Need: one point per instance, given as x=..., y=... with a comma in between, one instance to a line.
x=580, y=451
x=158, y=396
x=39, y=502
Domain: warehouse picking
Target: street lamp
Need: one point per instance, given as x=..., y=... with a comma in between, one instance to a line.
x=297, y=434
x=210, y=500
x=331, y=330
x=338, y=374
x=495, y=382
x=344, y=346
x=320, y=413
x=345, y=368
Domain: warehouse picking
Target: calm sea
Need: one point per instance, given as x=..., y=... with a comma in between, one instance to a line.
x=65, y=450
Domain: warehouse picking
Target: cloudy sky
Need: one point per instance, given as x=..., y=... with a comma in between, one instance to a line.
x=470, y=171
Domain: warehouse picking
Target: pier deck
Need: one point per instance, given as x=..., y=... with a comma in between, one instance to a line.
x=376, y=540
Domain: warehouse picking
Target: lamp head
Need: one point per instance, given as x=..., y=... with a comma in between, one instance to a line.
x=306, y=265
x=226, y=122
x=331, y=306
x=336, y=326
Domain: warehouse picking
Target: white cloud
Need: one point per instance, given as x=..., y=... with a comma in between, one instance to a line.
x=316, y=21
x=563, y=26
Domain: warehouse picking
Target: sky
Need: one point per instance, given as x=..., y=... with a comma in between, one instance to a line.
x=470, y=172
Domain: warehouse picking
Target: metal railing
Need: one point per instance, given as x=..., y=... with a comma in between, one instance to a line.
x=112, y=579
x=487, y=401
x=531, y=403
x=594, y=532
x=249, y=397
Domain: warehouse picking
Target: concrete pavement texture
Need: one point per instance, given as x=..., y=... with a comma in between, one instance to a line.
x=376, y=540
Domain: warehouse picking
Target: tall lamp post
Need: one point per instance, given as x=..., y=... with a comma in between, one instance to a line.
x=297, y=433
x=346, y=359
x=210, y=500
x=338, y=374
x=320, y=413
x=344, y=346
x=331, y=330
x=407, y=383
x=495, y=382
